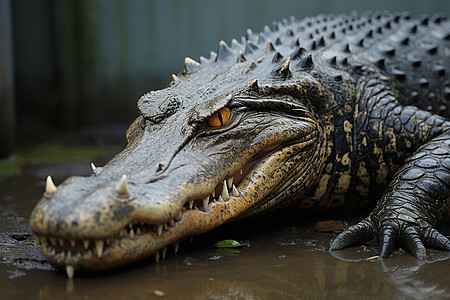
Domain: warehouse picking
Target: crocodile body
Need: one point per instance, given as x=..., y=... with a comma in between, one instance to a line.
x=321, y=113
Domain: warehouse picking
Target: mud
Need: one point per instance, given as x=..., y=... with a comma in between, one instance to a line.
x=281, y=258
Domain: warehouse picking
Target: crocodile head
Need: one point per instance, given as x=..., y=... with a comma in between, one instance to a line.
x=225, y=140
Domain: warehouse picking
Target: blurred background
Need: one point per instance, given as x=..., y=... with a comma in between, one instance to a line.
x=71, y=66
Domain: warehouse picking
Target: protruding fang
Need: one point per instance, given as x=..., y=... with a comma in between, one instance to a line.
x=166, y=226
x=234, y=191
x=99, y=247
x=214, y=194
x=70, y=271
x=230, y=182
x=163, y=252
x=131, y=233
x=93, y=167
x=225, y=195
x=172, y=223
x=160, y=228
x=219, y=199
x=52, y=241
x=138, y=231
x=157, y=256
x=191, y=203
x=205, y=202
x=178, y=216
x=86, y=244
x=72, y=243
x=50, y=187
x=175, y=247
x=122, y=186
x=240, y=172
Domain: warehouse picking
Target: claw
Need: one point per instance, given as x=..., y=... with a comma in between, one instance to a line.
x=387, y=239
x=413, y=243
x=354, y=235
x=434, y=239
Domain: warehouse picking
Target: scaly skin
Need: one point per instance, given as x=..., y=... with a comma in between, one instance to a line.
x=316, y=113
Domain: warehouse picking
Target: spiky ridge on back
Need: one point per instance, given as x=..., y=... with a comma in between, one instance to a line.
x=409, y=52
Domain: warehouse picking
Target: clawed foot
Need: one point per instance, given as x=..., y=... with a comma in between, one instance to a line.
x=393, y=233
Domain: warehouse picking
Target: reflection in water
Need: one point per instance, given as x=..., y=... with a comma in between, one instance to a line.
x=282, y=260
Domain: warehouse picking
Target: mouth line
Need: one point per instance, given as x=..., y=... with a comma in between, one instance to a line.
x=76, y=252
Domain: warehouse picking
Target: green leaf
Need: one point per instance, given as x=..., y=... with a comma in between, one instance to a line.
x=228, y=244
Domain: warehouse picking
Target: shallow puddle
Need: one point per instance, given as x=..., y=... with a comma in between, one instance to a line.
x=279, y=259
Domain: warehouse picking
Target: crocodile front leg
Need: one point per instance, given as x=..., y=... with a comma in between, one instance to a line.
x=408, y=212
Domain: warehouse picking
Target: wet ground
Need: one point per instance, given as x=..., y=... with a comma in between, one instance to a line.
x=281, y=258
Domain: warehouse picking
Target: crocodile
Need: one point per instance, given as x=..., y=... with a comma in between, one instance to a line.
x=327, y=112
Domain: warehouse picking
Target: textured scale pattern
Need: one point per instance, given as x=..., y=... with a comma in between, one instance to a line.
x=332, y=111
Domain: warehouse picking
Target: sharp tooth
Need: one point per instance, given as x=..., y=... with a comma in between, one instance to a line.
x=53, y=251
x=225, y=195
x=219, y=199
x=164, y=250
x=160, y=228
x=191, y=203
x=86, y=244
x=157, y=256
x=175, y=247
x=72, y=243
x=61, y=242
x=240, y=171
x=70, y=271
x=50, y=187
x=93, y=167
x=230, y=182
x=63, y=254
x=178, y=216
x=234, y=191
x=172, y=222
x=69, y=253
x=138, y=231
x=52, y=241
x=99, y=247
x=122, y=186
x=214, y=193
x=165, y=226
x=205, y=202
x=131, y=233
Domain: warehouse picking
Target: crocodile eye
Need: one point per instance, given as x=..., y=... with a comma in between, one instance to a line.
x=220, y=117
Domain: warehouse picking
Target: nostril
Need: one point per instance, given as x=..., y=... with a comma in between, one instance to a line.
x=160, y=167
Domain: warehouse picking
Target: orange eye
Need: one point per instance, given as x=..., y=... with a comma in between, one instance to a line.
x=220, y=117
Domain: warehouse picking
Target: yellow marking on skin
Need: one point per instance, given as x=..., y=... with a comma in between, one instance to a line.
x=347, y=126
x=346, y=159
x=323, y=183
x=363, y=174
x=343, y=183
x=407, y=143
x=364, y=141
x=382, y=174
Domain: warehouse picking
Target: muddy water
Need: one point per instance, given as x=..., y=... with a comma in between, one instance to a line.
x=282, y=258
